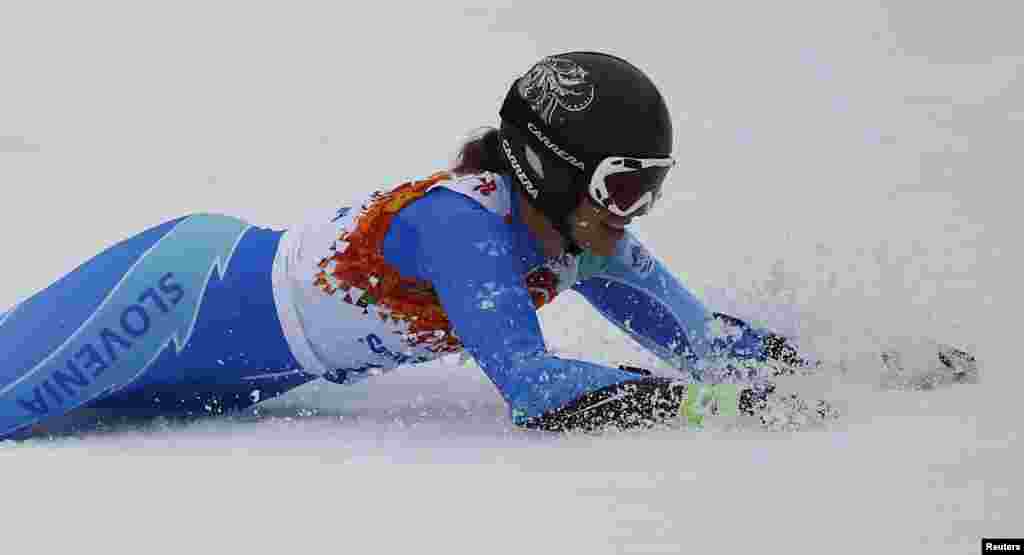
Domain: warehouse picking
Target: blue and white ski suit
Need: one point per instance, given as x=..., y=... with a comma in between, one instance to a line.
x=207, y=312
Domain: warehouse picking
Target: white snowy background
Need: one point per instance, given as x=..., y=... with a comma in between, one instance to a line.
x=849, y=174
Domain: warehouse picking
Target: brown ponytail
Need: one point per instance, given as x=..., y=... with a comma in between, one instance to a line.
x=481, y=152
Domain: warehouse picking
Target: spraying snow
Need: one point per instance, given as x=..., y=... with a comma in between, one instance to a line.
x=842, y=181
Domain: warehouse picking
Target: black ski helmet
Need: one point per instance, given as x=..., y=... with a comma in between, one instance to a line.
x=569, y=112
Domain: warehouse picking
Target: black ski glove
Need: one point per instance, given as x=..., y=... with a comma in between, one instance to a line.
x=636, y=404
x=640, y=403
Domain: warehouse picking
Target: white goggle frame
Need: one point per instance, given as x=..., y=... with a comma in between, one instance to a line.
x=621, y=164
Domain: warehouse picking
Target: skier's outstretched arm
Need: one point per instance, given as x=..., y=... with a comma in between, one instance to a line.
x=636, y=292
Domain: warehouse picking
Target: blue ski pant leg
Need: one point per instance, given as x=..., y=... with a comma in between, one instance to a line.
x=177, y=319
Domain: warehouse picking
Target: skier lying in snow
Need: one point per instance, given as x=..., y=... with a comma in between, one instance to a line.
x=208, y=312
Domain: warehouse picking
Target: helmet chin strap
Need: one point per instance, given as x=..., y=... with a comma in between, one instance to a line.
x=565, y=229
x=559, y=220
x=567, y=241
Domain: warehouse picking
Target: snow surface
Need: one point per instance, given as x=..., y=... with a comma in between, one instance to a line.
x=848, y=174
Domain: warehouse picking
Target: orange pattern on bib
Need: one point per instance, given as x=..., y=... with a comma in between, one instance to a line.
x=356, y=270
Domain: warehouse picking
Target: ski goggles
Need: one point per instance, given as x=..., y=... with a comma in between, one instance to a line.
x=627, y=186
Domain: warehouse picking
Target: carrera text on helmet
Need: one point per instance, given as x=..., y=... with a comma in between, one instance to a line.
x=555, y=148
x=520, y=174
